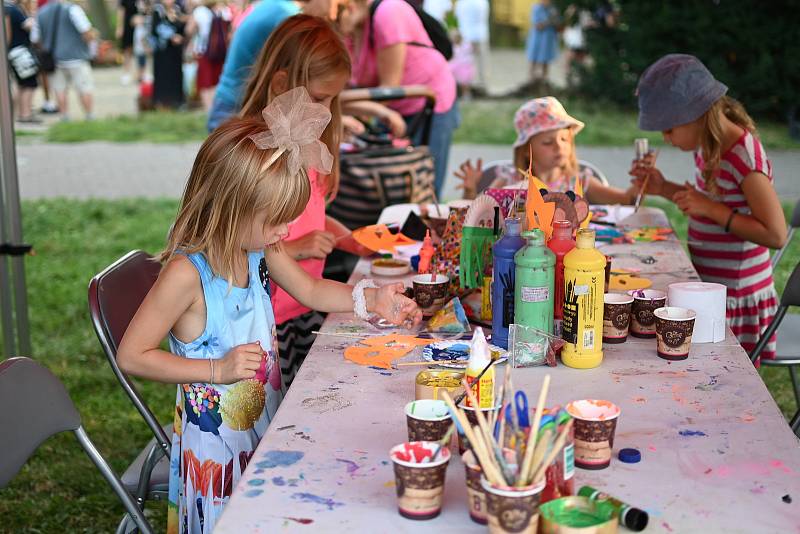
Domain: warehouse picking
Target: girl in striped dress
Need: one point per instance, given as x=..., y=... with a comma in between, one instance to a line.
x=734, y=213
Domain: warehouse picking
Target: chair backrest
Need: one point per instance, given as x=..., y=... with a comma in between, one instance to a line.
x=595, y=170
x=794, y=223
x=36, y=405
x=490, y=172
x=114, y=296
x=790, y=297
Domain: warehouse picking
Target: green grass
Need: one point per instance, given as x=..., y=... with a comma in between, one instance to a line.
x=154, y=127
x=59, y=490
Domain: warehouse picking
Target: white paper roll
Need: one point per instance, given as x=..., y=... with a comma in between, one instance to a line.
x=708, y=301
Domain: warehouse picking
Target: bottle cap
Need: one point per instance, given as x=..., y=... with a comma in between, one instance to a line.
x=630, y=456
x=585, y=238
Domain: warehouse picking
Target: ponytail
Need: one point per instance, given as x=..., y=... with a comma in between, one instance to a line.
x=711, y=138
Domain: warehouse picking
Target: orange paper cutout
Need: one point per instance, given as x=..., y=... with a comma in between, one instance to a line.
x=378, y=237
x=539, y=213
x=649, y=233
x=375, y=356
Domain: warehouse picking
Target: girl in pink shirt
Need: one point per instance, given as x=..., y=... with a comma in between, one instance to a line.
x=305, y=51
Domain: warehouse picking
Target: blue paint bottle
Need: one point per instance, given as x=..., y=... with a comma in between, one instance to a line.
x=503, y=281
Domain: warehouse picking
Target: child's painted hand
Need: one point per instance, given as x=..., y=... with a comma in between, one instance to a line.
x=643, y=170
x=315, y=244
x=391, y=304
x=693, y=202
x=240, y=363
x=469, y=176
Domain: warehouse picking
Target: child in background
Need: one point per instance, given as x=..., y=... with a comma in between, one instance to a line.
x=734, y=212
x=305, y=51
x=462, y=64
x=546, y=133
x=141, y=42
x=212, y=299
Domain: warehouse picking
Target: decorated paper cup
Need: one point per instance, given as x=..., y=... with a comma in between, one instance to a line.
x=428, y=420
x=472, y=417
x=616, y=317
x=511, y=509
x=674, y=327
x=476, y=497
x=645, y=302
x=595, y=424
x=418, y=480
x=430, y=292
x=578, y=515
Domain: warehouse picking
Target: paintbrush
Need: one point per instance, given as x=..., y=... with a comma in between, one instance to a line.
x=442, y=442
x=640, y=196
x=431, y=363
x=477, y=379
x=537, y=419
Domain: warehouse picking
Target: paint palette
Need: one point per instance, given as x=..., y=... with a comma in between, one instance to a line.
x=455, y=354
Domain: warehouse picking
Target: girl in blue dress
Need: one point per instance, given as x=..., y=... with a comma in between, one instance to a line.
x=212, y=299
x=542, y=45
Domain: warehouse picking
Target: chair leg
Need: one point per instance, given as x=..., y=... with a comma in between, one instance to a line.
x=795, y=423
x=126, y=526
x=795, y=386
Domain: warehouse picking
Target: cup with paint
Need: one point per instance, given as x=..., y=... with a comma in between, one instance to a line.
x=430, y=292
x=472, y=417
x=595, y=425
x=645, y=302
x=419, y=478
x=429, y=384
x=616, y=317
x=427, y=420
x=512, y=509
x=578, y=515
x=476, y=496
x=674, y=327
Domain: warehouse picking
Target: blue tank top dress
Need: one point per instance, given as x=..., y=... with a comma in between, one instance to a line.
x=218, y=427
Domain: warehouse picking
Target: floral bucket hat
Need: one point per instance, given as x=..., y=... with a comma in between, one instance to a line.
x=542, y=115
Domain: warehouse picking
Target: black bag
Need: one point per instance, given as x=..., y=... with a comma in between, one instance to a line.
x=436, y=32
x=217, y=47
x=47, y=63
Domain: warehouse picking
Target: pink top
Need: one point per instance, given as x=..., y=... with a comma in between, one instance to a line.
x=312, y=218
x=397, y=22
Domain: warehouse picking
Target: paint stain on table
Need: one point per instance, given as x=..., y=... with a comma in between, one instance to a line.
x=279, y=459
x=688, y=433
x=328, y=402
x=316, y=499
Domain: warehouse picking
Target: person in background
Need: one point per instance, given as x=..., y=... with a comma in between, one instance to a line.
x=392, y=48
x=473, y=26
x=438, y=9
x=70, y=52
x=542, y=45
x=168, y=24
x=735, y=216
x=209, y=25
x=18, y=27
x=141, y=41
x=126, y=11
x=462, y=64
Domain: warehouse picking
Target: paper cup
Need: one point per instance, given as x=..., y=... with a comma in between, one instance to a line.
x=419, y=485
x=476, y=497
x=427, y=420
x=674, y=327
x=512, y=510
x=578, y=515
x=430, y=292
x=616, y=317
x=595, y=424
x=645, y=302
x=472, y=417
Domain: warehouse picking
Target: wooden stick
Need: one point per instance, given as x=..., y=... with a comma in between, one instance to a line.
x=562, y=439
x=443, y=441
x=488, y=438
x=538, y=454
x=481, y=444
x=410, y=364
x=537, y=418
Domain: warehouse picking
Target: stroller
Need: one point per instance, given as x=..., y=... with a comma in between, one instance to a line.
x=378, y=174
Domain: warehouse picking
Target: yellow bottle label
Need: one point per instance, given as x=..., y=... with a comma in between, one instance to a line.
x=486, y=299
x=484, y=391
x=582, y=327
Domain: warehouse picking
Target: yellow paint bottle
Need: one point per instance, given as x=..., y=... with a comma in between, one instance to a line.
x=584, y=279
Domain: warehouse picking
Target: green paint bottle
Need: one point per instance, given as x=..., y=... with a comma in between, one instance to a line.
x=534, y=283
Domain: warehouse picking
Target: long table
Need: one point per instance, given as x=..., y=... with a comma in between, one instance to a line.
x=717, y=454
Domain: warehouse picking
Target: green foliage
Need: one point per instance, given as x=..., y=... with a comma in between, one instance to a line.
x=749, y=45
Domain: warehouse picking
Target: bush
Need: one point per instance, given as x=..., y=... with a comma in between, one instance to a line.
x=749, y=45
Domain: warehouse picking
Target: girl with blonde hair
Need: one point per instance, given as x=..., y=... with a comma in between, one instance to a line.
x=212, y=299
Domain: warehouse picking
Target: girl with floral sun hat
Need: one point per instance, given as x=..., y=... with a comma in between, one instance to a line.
x=545, y=143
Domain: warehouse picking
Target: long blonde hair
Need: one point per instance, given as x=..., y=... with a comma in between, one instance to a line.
x=711, y=136
x=226, y=188
x=522, y=157
x=306, y=48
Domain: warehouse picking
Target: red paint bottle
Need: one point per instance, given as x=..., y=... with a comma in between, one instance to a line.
x=561, y=243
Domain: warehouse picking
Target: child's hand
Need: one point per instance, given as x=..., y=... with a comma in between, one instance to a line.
x=240, y=363
x=315, y=244
x=395, y=122
x=391, y=304
x=642, y=170
x=692, y=202
x=469, y=176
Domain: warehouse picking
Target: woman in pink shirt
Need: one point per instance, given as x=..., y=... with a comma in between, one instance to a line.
x=392, y=48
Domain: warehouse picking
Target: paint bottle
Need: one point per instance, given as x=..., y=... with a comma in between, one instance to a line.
x=426, y=254
x=584, y=280
x=630, y=517
x=561, y=243
x=503, y=281
x=479, y=358
x=534, y=283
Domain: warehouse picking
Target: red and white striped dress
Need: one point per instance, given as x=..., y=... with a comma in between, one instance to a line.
x=742, y=266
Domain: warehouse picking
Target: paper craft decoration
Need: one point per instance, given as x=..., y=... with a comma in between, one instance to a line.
x=578, y=190
x=539, y=213
x=476, y=255
x=378, y=237
x=381, y=351
x=649, y=233
x=623, y=280
x=447, y=259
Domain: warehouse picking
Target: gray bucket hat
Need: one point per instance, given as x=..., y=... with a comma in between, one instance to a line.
x=675, y=90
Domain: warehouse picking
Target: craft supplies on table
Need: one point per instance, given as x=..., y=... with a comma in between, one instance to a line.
x=534, y=283
x=503, y=281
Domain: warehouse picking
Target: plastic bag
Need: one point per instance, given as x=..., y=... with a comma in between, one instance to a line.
x=530, y=346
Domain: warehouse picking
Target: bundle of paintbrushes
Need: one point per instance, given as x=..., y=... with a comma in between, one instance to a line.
x=526, y=460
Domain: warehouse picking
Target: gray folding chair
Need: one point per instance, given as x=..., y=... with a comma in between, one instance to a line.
x=36, y=406
x=788, y=339
x=114, y=296
x=794, y=223
x=582, y=163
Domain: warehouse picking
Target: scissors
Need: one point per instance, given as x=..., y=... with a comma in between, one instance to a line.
x=521, y=404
